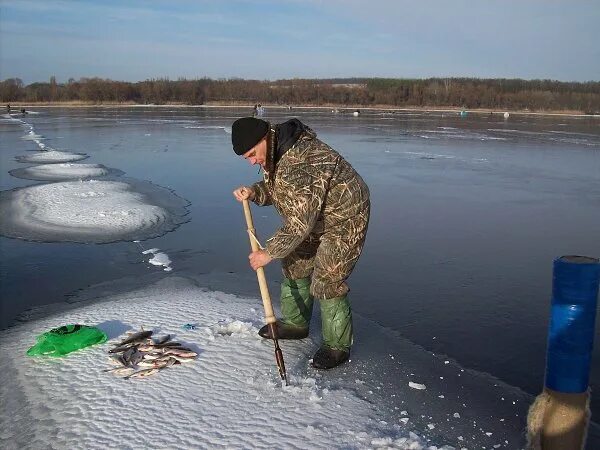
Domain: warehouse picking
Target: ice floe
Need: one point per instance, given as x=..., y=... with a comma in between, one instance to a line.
x=89, y=211
x=51, y=156
x=418, y=386
x=61, y=171
x=159, y=258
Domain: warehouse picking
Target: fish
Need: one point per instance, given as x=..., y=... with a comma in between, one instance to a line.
x=142, y=373
x=146, y=348
x=120, y=348
x=162, y=340
x=150, y=347
x=132, y=357
x=121, y=360
x=179, y=348
x=121, y=371
x=140, y=351
x=151, y=356
x=168, y=344
x=160, y=363
x=180, y=360
x=136, y=358
x=171, y=362
x=127, y=354
x=181, y=353
x=147, y=363
x=139, y=336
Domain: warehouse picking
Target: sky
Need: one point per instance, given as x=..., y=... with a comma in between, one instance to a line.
x=269, y=40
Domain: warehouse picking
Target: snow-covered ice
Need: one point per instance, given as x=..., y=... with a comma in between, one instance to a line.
x=51, y=156
x=31, y=136
x=87, y=211
x=209, y=127
x=159, y=258
x=230, y=397
x=62, y=171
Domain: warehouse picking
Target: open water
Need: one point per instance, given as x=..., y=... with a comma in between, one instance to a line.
x=468, y=214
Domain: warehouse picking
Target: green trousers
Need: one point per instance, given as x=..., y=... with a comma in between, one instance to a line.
x=336, y=314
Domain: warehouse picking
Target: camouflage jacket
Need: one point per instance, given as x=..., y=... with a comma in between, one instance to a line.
x=313, y=188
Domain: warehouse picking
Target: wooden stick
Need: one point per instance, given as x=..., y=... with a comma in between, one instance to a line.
x=264, y=293
x=260, y=272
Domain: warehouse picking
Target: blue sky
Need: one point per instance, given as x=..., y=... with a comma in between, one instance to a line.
x=137, y=40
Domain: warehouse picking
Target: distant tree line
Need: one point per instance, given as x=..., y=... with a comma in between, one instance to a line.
x=513, y=94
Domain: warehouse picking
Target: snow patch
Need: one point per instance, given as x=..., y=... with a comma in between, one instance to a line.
x=227, y=130
x=71, y=402
x=62, y=171
x=84, y=211
x=159, y=259
x=51, y=156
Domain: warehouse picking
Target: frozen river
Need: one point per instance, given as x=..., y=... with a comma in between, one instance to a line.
x=467, y=215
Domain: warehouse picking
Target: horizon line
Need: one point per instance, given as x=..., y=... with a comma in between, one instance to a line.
x=232, y=78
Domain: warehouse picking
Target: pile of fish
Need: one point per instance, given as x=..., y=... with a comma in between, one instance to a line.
x=139, y=355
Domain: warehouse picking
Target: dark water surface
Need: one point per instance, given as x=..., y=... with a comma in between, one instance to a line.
x=467, y=217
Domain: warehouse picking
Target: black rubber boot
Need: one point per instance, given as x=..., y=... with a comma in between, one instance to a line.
x=284, y=331
x=328, y=358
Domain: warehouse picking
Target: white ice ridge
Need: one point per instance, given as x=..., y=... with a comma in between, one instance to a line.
x=229, y=397
x=209, y=127
x=62, y=171
x=159, y=258
x=52, y=156
x=81, y=211
x=32, y=136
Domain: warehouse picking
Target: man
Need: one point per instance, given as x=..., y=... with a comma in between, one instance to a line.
x=325, y=207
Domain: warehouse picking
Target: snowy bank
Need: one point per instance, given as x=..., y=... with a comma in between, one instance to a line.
x=231, y=395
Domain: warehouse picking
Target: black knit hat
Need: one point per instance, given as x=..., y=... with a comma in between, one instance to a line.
x=246, y=133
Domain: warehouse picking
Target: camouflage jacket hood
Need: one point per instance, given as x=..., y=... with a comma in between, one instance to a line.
x=283, y=137
x=312, y=187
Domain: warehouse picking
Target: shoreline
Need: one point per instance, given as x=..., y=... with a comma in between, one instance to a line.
x=340, y=109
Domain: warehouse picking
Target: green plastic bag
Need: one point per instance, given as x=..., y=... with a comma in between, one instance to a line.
x=66, y=339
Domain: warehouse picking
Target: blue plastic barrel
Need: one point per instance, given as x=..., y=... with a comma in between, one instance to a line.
x=571, y=334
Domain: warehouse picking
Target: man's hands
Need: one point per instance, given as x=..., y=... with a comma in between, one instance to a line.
x=259, y=258
x=244, y=193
